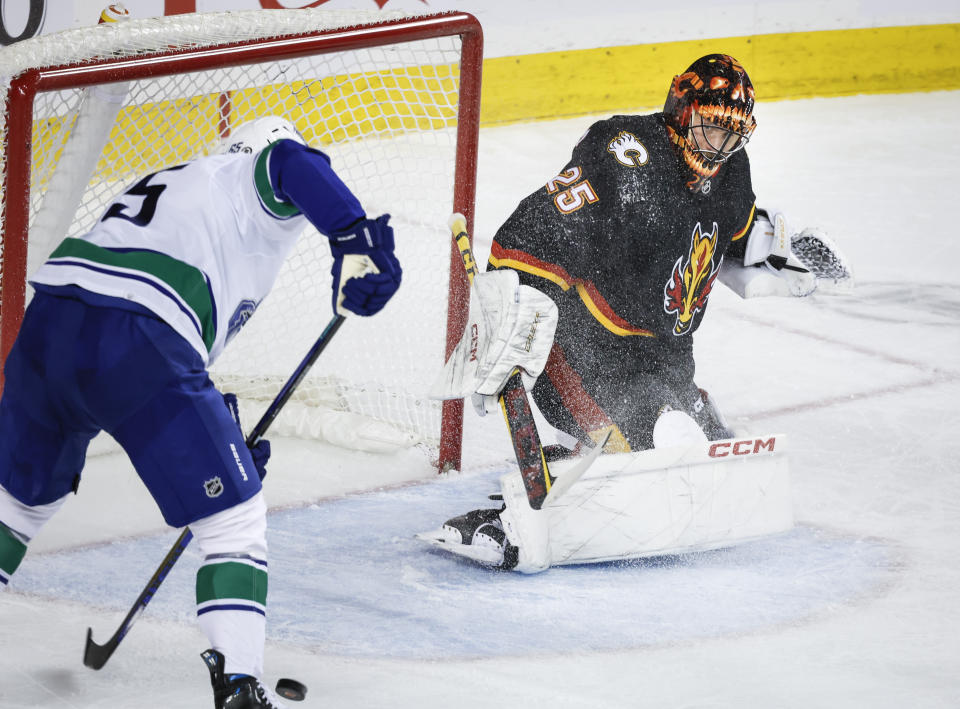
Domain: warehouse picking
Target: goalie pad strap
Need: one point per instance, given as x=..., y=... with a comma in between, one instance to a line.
x=525, y=527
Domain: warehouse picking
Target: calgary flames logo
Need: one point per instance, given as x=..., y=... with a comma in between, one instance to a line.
x=628, y=150
x=690, y=284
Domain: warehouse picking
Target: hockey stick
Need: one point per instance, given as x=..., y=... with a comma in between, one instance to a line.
x=537, y=480
x=95, y=655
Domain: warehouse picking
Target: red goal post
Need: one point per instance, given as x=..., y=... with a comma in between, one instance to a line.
x=379, y=91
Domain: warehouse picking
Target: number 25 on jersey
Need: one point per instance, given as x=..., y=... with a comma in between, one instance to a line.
x=569, y=193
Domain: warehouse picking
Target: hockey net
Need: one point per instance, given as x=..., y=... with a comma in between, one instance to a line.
x=392, y=98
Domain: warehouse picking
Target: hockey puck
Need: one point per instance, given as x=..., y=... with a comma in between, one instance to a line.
x=291, y=689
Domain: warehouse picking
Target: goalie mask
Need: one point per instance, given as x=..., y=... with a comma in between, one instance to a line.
x=709, y=114
x=254, y=136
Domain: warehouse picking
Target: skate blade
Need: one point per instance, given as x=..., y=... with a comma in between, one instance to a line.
x=483, y=555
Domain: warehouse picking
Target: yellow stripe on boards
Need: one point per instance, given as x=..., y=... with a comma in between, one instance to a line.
x=782, y=66
x=530, y=87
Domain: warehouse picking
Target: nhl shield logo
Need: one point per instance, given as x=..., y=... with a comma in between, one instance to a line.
x=213, y=487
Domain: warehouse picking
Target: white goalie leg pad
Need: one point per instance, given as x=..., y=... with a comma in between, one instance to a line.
x=670, y=500
x=663, y=501
x=509, y=326
x=526, y=528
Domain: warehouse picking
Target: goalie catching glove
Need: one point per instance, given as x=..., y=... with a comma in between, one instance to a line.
x=365, y=270
x=775, y=263
x=510, y=326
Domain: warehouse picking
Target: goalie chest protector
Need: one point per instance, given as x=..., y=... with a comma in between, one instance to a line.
x=619, y=231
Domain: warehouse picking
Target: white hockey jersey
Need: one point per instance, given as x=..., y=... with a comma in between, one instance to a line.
x=199, y=244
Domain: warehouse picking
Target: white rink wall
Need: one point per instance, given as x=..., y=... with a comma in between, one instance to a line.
x=531, y=26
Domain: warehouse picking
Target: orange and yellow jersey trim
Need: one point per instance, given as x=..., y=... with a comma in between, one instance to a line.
x=746, y=227
x=591, y=297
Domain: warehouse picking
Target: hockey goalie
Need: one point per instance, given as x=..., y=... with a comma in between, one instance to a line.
x=594, y=288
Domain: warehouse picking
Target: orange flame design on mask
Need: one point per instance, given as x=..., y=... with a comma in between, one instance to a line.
x=690, y=284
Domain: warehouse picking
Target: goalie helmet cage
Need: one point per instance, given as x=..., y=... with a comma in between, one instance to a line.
x=393, y=98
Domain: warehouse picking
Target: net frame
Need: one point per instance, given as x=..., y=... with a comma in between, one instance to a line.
x=350, y=31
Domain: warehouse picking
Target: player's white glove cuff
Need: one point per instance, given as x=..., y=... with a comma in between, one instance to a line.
x=485, y=404
x=799, y=280
x=769, y=265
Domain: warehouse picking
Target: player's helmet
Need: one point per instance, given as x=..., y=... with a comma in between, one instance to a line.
x=718, y=91
x=253, y=136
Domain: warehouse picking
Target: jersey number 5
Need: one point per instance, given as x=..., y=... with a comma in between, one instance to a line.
x=576, y=193
x=150, y=193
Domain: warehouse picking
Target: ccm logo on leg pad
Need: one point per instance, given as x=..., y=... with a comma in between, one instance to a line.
x=748, y=446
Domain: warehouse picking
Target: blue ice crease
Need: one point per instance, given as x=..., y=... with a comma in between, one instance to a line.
x=347, y=577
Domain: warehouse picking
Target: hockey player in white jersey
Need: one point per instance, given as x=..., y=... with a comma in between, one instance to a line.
x=125, y=321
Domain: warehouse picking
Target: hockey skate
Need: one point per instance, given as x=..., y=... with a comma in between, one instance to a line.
x=477, y=535
x=237, y=691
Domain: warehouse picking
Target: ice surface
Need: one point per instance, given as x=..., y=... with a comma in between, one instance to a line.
x=857, y=607
x=371, y=590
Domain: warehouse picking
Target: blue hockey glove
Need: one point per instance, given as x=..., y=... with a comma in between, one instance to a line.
x=365, y=271
x=260, y=452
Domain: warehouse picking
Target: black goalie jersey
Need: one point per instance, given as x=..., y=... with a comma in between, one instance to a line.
x=630, y=255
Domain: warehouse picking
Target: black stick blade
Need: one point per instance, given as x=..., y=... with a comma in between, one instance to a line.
x=96, y=656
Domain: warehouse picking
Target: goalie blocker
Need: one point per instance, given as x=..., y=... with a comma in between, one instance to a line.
x=507, y=338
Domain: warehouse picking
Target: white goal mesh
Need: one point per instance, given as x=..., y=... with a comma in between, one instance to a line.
x=381, y=93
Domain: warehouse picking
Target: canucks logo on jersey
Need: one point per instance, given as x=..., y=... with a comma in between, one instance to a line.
x=686, y=293
x=244, y=312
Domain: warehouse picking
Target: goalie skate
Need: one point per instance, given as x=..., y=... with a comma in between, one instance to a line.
x=477, y=535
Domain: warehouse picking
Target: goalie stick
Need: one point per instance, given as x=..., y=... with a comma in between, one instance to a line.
x=537, y=480
x=513, y=398
x=95, y=656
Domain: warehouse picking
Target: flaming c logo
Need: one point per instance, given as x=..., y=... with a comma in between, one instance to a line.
x=690, y=283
